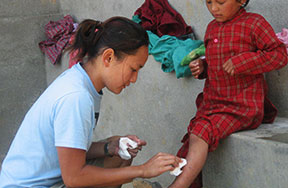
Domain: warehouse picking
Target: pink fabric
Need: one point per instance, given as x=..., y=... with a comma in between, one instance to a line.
x=283, y=37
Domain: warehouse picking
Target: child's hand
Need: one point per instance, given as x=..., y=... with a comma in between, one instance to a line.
x=196, y=67
x=229, y=67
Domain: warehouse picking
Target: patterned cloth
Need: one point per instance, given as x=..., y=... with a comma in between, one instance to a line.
x=283, y=37
x=232, y=103
x=160, y=18
x=58, y=34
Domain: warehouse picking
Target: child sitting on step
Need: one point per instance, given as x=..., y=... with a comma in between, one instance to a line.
x=240, y=48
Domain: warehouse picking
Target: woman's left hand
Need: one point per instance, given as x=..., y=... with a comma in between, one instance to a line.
x=114, y=145
x=229, y=67
x=140, y=143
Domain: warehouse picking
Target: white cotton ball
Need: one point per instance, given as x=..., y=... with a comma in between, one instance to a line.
x=177, y=171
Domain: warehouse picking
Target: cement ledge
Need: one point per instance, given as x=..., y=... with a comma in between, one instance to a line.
x=250, y=159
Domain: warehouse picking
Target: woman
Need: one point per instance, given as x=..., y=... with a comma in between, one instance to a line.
x=54, y=140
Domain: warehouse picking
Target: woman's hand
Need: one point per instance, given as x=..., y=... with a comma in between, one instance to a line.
x=196, y=67
x=140, y=143
x=158, y=164
x=229, y=67
x=113, y=148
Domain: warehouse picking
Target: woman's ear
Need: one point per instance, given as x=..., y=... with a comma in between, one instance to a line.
x=243, y=2
x=108, y=57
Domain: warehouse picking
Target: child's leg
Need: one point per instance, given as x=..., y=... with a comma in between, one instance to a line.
x=196, y=158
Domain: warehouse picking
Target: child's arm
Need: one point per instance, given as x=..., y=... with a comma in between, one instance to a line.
x=271, y=54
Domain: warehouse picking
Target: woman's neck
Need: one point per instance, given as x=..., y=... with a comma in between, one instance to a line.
x=94, y=75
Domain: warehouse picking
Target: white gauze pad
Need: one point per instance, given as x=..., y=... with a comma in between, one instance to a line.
x=124, y=143
x=177, y=171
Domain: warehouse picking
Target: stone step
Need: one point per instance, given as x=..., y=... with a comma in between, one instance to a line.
x=250, y=159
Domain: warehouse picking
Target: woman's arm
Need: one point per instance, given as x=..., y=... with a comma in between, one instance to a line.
x=76, y=173
x=96, y=149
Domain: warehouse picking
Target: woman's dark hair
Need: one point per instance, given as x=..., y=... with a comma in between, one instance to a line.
x=121, y=34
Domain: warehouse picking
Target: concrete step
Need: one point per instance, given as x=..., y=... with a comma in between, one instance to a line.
x=250, y=159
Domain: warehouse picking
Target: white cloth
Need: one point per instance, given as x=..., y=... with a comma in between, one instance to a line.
x=124, y=144
x=177, y=171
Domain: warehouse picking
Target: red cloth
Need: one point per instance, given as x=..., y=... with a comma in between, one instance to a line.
x=58, y=34
x=160, y=18
x=233, y=103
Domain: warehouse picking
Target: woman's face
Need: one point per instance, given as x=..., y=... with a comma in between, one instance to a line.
x=125, y=71
x=223, y=10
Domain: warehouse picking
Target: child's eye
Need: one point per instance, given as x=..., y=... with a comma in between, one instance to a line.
x=208, y=2
x=133, y=70
x=221, y=2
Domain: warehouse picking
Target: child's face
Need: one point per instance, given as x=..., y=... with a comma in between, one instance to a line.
x=124, y=72
x=224, y=10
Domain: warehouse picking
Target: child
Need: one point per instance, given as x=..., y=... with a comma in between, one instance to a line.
x=240, y=47
x=55, y=138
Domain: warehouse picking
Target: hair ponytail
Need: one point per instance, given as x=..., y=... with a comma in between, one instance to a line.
x=86, y=37
x=119, y=33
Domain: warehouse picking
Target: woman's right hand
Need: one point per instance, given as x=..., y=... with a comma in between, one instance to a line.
x=158, y=164
x=196, y=67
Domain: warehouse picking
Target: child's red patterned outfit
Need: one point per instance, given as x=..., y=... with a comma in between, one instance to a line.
x=232, y=103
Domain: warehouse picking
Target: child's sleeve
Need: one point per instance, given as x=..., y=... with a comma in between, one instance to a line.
x=270, y=53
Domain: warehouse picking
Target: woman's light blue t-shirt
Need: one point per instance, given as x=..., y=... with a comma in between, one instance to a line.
x=64, y=115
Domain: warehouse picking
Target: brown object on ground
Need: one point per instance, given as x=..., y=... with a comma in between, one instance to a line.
x=145, y=184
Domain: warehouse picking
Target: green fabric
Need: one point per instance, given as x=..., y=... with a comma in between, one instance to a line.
x=136, y=19
x=194, y=54
x=169, y=50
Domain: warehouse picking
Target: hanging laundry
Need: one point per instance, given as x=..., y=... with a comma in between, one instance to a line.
x=169, y=50
x=283, y=37
x=159, y=17
x=58, y=34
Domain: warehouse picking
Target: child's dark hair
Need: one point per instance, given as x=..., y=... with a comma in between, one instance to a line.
x=121, y=34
